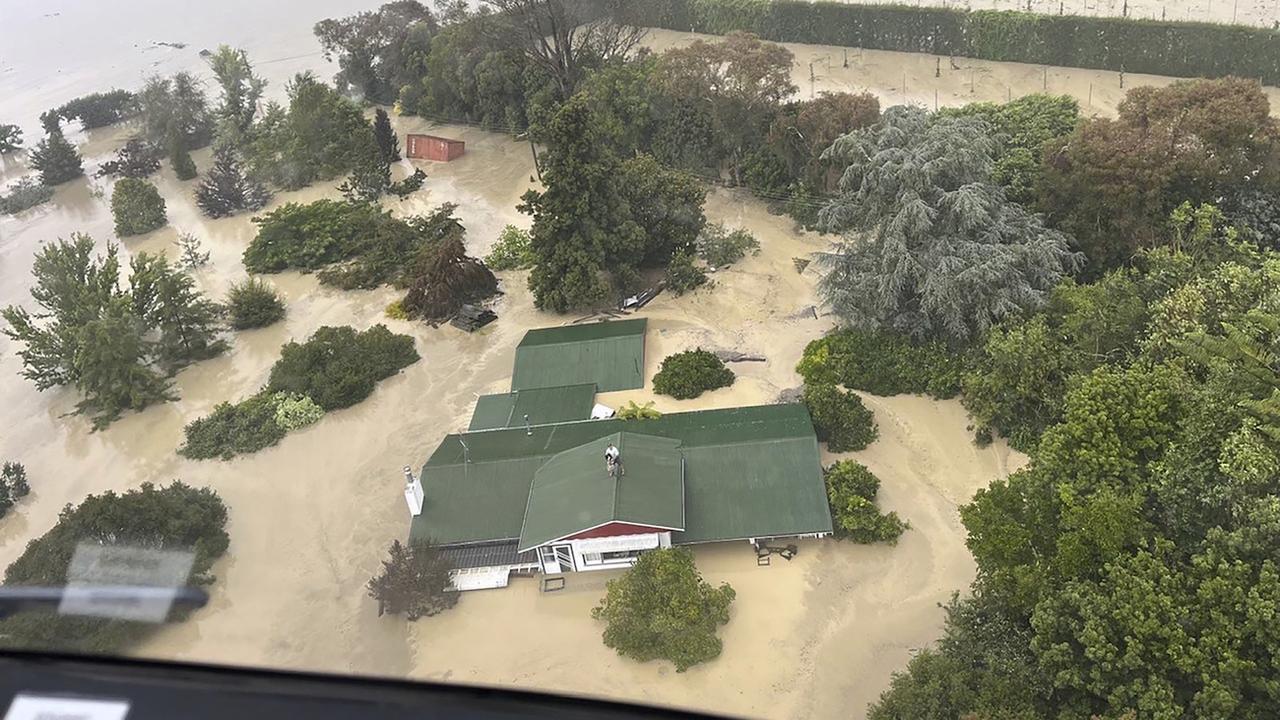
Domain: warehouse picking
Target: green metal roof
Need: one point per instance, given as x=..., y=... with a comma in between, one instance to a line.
x=608, y=354
x=583, y=333
x=749, y=472
x=542, y=405
x=573, y=490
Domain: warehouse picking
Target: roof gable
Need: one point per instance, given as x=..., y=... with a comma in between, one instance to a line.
x=608, y=354
x=573, y=490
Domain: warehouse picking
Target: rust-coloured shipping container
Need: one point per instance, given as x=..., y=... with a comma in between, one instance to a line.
x=433, y=147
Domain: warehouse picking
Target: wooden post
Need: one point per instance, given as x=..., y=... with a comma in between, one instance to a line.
x=937, y=68
x=935, y=99
x=1122, y=77
x=1045, y=81
x=1090, y=96
x=811, y=77
x=537, y=166
x=970, y=81
x=846, y=57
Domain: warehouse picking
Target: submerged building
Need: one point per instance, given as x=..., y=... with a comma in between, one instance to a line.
x=540, y=482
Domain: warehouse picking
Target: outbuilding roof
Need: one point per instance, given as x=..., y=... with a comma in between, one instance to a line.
x=541, y=405
x=573, y=491
x=748, y=472
x=609, y=354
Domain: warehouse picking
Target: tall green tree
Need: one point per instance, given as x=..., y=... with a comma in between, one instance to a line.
x=563, y=37
x=932, y=248
x=179, y=157
x=579, y=216
x=110, y=364
x=110, y=343
x=241, y=91
x=414, y=581
x=321, y=136
x=167, y=300
x=1022, y=127
x=226, y=189
x=741, y=80
x=56, y=160
x=377, y=50
x=385, y=137
x=1113, y=183
x=175, y=105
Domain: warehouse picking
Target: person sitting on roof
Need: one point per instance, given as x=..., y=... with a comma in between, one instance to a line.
x=611, y=458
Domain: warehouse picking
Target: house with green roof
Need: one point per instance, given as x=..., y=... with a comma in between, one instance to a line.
x=538, y=495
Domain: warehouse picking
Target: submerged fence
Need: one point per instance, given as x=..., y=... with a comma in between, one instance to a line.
x=1176, y=48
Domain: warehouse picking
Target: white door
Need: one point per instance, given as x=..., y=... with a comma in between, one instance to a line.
x=556, y=559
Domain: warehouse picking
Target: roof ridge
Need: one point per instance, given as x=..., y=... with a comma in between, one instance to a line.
x=617, y=480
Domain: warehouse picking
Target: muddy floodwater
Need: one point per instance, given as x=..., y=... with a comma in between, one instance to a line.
x=311, y=518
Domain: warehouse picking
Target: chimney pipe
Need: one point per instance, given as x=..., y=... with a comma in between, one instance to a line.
x=412, y=492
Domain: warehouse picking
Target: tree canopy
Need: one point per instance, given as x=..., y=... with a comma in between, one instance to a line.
x=56, y=160
x=1133, y=561
x=114, y=345
x=137, y=207
x=375, y=48
x=173, y=517
x=414, y=581
x=1113, y=183
x=931, y=247
x=663, y=609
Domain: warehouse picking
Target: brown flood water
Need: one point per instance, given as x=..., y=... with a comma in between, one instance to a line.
x=310, y=519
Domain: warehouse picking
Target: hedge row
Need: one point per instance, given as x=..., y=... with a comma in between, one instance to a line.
x=1180, y=49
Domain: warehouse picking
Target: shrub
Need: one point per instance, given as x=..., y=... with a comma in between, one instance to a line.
x=719, y=246
x=137, y=159
x=99, y=109
x=230, y=430
x=10, y=138
x=632, y=411
x=851, y=490
x=395, y=310
x=663, y=609
x=414, y=582
x=14, y=477
x=882, y=363
x=353, y=245
x=177, y=516
x=688, y=374
x=254, y=304
x=408, y=186
x=512, y=251
x=295, y=411
x=338, y=367
x=136, y=206
x=24, y=195
x=839, y=417
x=682, y=275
